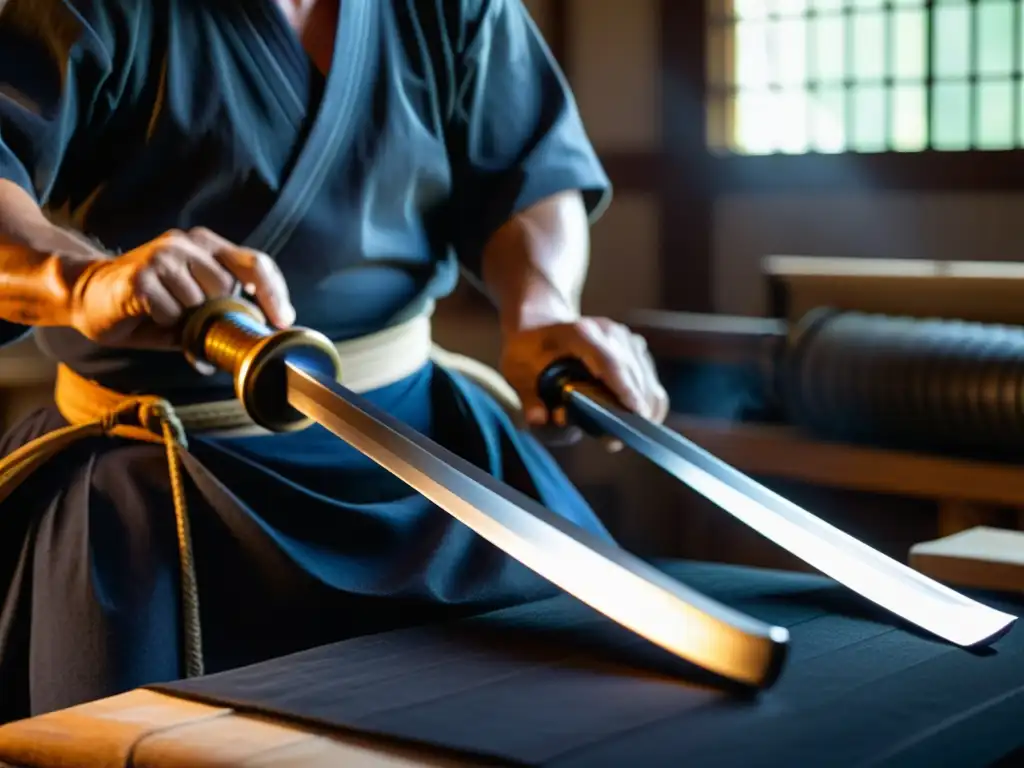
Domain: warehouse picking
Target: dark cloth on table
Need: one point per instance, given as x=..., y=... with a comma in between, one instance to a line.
x=370, y=187
x=553, y=683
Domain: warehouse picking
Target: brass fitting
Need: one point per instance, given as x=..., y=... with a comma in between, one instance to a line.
x=231, y=335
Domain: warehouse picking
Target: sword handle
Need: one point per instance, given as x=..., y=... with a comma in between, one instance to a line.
x=567, y=381
x=231, y=335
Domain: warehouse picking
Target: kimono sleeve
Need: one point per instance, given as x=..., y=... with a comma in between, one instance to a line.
x=52, y=64
x=55, y=60
x=516, y=136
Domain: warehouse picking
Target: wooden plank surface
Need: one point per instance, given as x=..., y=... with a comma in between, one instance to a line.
x=786, y=453
x=144, y=729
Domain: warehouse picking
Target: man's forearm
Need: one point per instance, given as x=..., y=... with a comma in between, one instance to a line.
x=39, y=262
x=535, y=266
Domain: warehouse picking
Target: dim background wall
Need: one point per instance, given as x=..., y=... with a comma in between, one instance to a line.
x=941, y=226
x=612, y=61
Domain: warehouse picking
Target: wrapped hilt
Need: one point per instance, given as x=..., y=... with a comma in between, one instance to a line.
x=231, y=335
x=566, y=384
x=556, y=384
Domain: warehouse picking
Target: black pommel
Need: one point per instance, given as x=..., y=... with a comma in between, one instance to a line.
x=231, y=335
x=559, y=380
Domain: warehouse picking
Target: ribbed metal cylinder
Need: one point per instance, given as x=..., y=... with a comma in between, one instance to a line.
x=227, y=341
x=929, y=384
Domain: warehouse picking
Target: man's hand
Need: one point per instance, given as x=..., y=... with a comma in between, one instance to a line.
x=614, y=355
x=534, y=268
x=138, y=299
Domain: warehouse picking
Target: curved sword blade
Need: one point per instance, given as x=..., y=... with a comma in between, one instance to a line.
x=899, y=589
x=597, y=572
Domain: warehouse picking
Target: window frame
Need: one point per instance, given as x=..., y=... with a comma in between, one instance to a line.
x=972, y=170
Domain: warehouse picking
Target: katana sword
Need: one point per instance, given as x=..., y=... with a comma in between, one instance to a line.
x=899, y=589
x=289, y=378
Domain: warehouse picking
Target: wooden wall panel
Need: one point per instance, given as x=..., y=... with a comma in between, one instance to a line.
x=640, y=83
x=610, y=54
x=625, y=270
x=613, y=60
x=545, y=15
x=637, y=69
x=933, y=171
x=943, y=226
x=687, y=206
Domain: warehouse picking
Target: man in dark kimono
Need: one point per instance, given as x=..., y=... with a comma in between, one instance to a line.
x=342, y=163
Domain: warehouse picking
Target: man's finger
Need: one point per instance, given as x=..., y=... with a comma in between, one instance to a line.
x=549, y=427
x=610, y=365
x=535, y=413
x=152, y=298
x=212, y=277
x=631, y=360
x=257, y=271
x=260, y=275
x=171, y=265
x=656, y=394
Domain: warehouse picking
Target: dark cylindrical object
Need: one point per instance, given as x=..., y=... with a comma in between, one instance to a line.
x=926, y=384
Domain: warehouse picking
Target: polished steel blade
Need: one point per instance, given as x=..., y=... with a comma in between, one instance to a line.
x=905, y=592
x=597, y=572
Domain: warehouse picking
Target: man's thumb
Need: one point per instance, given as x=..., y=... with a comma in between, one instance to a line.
x=534, y=411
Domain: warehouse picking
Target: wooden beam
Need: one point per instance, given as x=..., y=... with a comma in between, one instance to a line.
x=558, y=32
x=932, y=171
x=687, y=208
x=707, y=177
x=636, y=172
x=672, y=171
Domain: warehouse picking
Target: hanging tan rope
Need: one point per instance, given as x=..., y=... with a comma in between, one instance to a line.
x=93, y=410
x=144, y=419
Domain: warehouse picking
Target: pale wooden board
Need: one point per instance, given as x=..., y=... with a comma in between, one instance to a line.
x=145, y=729
x=982, y=557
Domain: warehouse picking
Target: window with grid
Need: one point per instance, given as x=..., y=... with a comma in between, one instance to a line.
x=802, y=76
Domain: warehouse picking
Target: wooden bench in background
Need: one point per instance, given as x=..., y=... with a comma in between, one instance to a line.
x=965, y=491
x=964, y=494
x=982, y=291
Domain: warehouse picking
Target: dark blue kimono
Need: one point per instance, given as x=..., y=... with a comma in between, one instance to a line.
x=371, y=187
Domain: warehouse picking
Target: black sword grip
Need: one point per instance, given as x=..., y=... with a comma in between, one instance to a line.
x=568, y=384
x=559, y=379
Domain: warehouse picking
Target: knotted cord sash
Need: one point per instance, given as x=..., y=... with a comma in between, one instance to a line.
x=92, y=410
